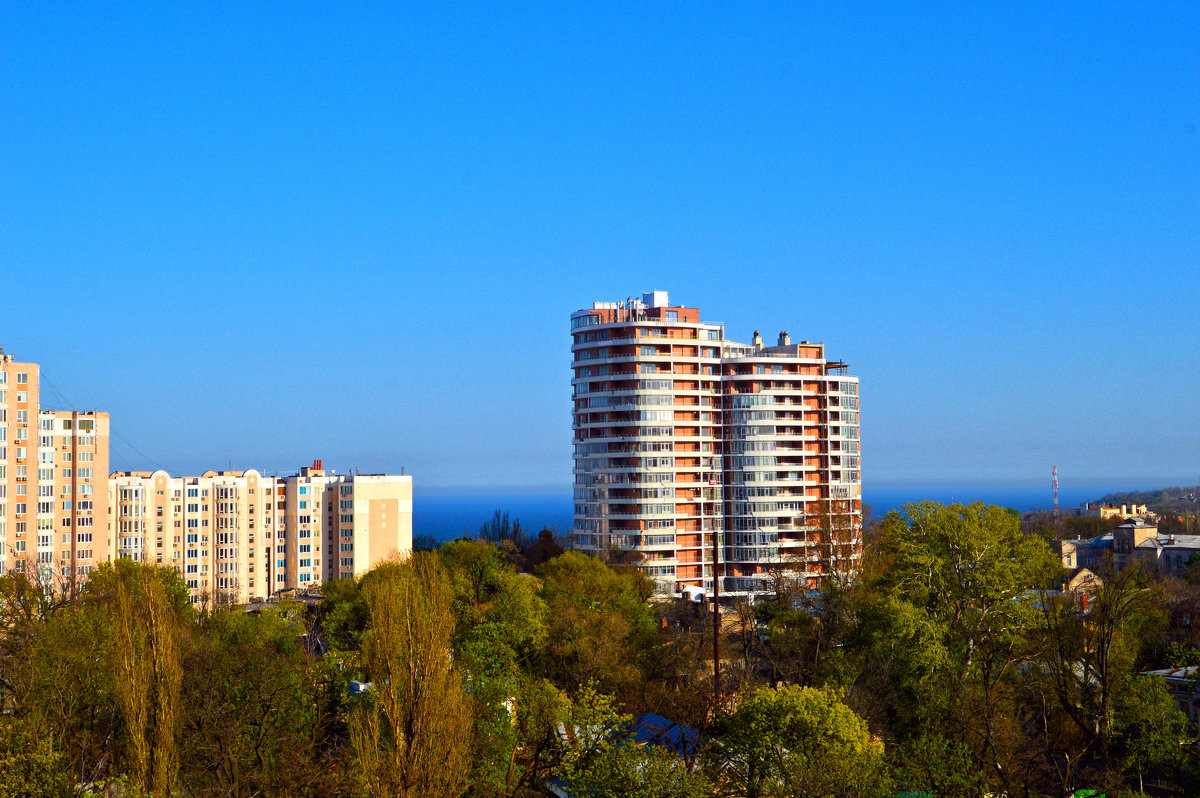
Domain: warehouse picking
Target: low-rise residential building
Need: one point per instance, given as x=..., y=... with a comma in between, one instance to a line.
x=1133, y=541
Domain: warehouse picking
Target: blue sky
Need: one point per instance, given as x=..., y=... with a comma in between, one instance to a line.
x=261, y=234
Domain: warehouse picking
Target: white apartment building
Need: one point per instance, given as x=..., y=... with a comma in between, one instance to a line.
x=682, y=436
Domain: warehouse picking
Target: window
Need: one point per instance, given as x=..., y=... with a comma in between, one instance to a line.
x=672, y=315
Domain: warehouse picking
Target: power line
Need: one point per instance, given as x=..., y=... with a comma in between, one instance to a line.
x=111, y=430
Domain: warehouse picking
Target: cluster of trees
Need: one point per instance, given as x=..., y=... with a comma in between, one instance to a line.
x=945, y=665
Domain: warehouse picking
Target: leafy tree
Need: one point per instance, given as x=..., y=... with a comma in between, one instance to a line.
x=600, y=627
x=148, y=672
x=344, y=615
x=72, y=696
x=29, y=765
x=425, y=543
x=500, y=628
x=604, y=760
x=935, y=765
x=24, y=607
x=946, y=628
x=1151, y=728
x=784, y=743
x=412, y=733
x=252, y=719
x=1089, y=657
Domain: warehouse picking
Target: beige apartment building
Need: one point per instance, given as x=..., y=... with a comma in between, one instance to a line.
x=234, y=536
x=239, y=536
x=683, y=436
x=217, y=529
x=53, y=472
x=340, y=525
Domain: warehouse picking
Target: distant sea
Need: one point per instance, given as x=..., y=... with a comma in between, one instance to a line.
x=447, y=516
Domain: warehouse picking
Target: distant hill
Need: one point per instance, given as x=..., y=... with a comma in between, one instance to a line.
x=1166, y=500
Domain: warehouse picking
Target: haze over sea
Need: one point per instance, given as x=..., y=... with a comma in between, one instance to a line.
x=446, y=516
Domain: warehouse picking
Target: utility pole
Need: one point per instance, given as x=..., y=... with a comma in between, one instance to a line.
x=716, y=627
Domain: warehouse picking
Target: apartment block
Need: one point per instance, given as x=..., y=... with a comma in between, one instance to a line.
x=218, y=529
x=359, y=519
x=684, y=438
x=234, y=536
x=52, y=513
x=238, y=536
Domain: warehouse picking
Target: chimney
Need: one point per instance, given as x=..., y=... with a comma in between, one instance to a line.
x=757, y=340
x=784, y=338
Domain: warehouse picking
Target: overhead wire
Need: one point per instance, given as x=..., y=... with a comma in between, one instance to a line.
x=62, y=398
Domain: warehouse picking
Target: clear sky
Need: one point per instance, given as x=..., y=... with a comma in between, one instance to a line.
x=261, y=234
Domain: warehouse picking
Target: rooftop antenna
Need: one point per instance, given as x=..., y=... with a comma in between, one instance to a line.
x=1054, y=473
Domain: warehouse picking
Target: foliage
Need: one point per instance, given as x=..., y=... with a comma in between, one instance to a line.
x=29, y=764
x=936, y=765
x=942, y=664
x=782, y=743
x=604, y=760
x=501, y=530
x=1150, y=727
x=412, y=734
x=600, y=627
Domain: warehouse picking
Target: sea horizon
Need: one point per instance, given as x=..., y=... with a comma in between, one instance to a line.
x=446, y=515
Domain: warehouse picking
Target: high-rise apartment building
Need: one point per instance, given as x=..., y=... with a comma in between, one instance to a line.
x=234, y=536
x=238, y=536
x=218, y=529
x=681, y=435
x=340, y=525
x=53, y=468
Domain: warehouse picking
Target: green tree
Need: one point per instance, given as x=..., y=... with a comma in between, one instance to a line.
x=600, y=627
x=1090, y=657
x=343, y=613
x=72, y=696
x=412, y=734
x=29, y=765
x=603, y=759
x=252, y=708
x=500, y=628
x=148, y=672
x=784, y=742
x=948, y=623
x=937, y=766
x=1152, y=730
